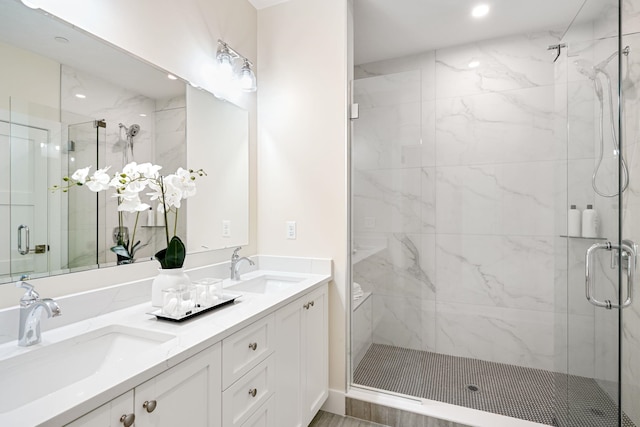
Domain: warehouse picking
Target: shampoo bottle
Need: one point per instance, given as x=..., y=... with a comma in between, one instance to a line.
x=574, y=222
x=590, y=222
x=151, y=217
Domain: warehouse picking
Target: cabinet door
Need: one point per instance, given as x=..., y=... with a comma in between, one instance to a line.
x=315, y=354
x=110, y=414
x=289, y=365
x=188, y=394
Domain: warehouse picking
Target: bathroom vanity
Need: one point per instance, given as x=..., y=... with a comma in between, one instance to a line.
x=260, y=361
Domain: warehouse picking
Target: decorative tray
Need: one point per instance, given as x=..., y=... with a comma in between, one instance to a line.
x=196, y=311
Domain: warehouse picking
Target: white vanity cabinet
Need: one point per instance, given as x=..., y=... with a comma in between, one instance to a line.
x=273, y=372
x=302, y=359
x=189, y=394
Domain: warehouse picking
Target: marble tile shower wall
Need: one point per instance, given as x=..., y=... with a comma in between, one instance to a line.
x=463, y=172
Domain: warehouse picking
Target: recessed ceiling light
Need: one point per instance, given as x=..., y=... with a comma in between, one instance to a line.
x=172, y=77
x=480, y=10
x=61, y=39
x=80, y=95
x=474, y=64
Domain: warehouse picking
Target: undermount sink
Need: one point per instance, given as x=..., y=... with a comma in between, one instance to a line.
x=30, y=376
x=266, y=284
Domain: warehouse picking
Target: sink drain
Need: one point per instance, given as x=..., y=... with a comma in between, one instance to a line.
x=473, y=387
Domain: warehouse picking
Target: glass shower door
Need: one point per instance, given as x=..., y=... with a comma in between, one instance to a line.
x=600, y=266
x=28, y=154
x=85, y=146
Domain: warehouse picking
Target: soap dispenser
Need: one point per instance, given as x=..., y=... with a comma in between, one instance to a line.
x=574, y=222
x=590, y=222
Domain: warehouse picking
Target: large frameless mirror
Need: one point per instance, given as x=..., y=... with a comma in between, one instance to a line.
x=69, y=101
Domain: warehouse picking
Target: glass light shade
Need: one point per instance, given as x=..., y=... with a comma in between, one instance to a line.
x=225, y=63
x=247, y=78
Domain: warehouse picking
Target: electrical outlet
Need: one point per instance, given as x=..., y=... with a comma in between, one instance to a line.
x=291, y=230
x=226, y=228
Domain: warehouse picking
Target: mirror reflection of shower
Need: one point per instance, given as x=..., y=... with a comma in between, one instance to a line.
x=593, y=73
x=130, y=133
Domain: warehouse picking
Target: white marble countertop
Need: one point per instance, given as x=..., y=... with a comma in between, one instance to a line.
x=191, y=337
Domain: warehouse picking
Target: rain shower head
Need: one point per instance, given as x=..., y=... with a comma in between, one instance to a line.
x=133, y=130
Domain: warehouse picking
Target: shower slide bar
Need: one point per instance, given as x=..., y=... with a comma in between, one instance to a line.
x=627, y=251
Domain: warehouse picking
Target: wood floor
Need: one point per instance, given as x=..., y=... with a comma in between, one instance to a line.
x=326, y=419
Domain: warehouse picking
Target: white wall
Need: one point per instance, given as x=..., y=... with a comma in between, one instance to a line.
x=182, y=38
x=302, y=51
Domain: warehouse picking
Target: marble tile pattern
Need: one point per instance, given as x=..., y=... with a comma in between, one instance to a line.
x=468, y=173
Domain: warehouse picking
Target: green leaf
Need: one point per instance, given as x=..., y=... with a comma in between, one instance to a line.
x=121, y=250
x=173, y=256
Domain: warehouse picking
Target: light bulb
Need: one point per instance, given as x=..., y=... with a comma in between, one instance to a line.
x=247, y=78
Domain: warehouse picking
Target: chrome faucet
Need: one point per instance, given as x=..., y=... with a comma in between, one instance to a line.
x=31, y=307
x=235, y=263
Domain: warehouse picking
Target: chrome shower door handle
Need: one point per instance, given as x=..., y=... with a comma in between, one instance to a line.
x=628, y=252
x=21, y=250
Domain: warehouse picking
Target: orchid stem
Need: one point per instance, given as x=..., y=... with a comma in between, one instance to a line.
x=132, y=242
x=164, y=208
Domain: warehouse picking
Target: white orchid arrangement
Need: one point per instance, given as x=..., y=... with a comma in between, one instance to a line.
x=135, y=178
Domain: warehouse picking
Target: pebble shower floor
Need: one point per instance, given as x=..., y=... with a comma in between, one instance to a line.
x=529, y=394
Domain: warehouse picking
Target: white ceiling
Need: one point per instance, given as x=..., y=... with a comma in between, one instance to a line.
x=35, y=31
x=386, y=29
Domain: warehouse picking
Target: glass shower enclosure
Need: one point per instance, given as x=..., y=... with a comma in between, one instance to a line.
x=469, y=285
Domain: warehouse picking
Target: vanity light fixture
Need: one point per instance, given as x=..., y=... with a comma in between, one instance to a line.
x=480, y=11
x=226, y=58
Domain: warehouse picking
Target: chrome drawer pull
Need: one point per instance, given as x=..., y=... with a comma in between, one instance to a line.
x=253, y=346
x=127, y=420
x=150, y=405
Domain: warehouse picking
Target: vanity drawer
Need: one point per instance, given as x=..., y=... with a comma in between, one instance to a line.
x=265, y=416
x=240, y=401
x=246, y=348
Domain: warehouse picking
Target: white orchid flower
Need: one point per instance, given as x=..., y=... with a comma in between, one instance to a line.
x=81, y=175
x=172, y=191
x=148, y=170
x=130, y=202
x=187, y=184
x=99, y=181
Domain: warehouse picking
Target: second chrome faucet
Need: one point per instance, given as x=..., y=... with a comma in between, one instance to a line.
x=235, y=263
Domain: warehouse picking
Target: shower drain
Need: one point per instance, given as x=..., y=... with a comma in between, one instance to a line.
x=472, y=387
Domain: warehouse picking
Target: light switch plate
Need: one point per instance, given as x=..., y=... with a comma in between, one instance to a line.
x=291, y=230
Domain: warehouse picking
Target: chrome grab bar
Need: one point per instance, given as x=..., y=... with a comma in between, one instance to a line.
x=20, y=250
x=628, y=253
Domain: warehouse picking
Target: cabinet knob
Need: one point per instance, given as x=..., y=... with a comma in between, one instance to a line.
x=127, y=420
x=306, y=306
x=253, y=392
x=253, y=346
x=150, y=405
x=311, y=303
